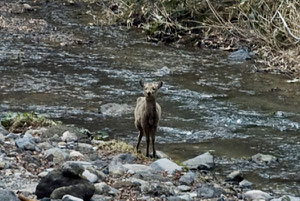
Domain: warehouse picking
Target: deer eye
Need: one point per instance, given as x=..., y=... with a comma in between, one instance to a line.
x=153, y=88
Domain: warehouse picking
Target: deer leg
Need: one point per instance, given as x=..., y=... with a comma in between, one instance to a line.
x=153, y=145
x=148, y=143
x=139, y=141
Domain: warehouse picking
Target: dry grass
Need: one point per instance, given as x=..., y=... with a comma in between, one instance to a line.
x=271, y=28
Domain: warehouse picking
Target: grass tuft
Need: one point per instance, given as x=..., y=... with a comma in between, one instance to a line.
x=21, y=122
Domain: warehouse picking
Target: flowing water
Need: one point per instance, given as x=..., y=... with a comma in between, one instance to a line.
x=208, y=103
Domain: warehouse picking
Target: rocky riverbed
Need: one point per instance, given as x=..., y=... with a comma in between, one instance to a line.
x=62, y=163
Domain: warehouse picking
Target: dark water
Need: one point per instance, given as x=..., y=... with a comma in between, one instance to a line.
x=208, y=103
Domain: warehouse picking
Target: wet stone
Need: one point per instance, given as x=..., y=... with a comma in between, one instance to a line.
x=245, y=184
x=202, y=162
x=263, y=158
x=235, y=176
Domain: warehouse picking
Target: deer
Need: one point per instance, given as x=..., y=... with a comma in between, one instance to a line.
x=147, y=114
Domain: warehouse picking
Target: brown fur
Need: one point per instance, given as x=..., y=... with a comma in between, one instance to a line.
x=147, y=115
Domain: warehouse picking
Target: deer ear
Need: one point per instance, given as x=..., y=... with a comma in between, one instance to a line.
x=142, y=83
x=160, y=84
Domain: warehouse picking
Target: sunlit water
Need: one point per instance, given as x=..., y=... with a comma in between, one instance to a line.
x=208, y=103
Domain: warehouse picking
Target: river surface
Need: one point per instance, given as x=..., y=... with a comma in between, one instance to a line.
x=208, y=103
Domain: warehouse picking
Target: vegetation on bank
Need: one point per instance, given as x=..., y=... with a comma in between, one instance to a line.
x=21, y=122
x=269, y=28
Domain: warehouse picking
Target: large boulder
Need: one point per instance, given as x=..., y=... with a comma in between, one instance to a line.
x=202, y=162
x=63, y=184
x=8, y=195
x=165, y=164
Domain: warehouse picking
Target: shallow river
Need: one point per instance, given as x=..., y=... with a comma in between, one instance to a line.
x=208, y=103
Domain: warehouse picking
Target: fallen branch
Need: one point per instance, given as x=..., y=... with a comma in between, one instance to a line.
x=287, y=28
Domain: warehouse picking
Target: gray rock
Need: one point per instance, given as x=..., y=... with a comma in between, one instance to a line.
x=245, y=184
x=209, y=191
x=158, y=189
x=27, y=142
x=184, y=188
x=115, y=110
x=2, y=185
x=56, y=155
x=287, y=198
x=257, y=195
x=13, y=136
x=45, y=145
x=241, y=54
x=145, y=198
x=3, y=165
x=263, y=158
x=188, y=178
x=235, y=176
x=85, y=148
x=202, y=162
x=124, y=159
x=116, y=168
x=101, y=198
x=8, y=195
x=69, y=137
x=90, y=176
x=2, y=138
x=33, y=132
x=165, y=164
x=144, y=185
x=136, y=168
x=70, y=198
x=104, y=189
x=185, y=197
x=72, y=169
x=3, y=130
x=76, y=155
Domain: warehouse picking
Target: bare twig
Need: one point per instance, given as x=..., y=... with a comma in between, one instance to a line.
x=287, y=28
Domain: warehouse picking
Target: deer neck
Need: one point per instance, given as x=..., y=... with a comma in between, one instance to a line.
x=151, y=105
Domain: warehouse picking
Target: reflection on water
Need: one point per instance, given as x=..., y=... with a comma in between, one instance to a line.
x=208, y=104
